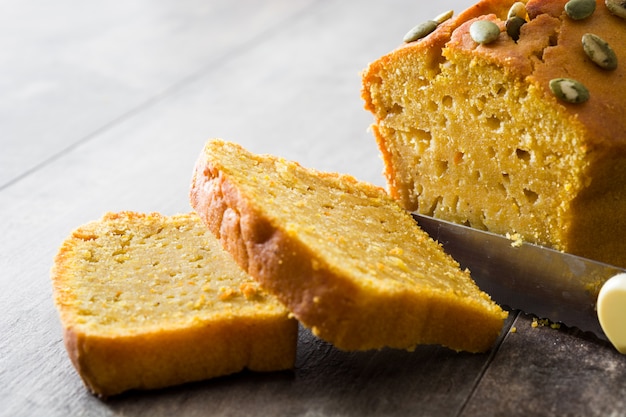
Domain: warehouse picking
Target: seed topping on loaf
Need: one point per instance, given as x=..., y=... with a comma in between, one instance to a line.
x=485, y=30
x=617, y=7
x=473, y=133
x=425, y=28
x=580, y=9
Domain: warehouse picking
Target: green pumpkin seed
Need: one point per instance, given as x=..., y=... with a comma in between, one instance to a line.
x=426, y=28
x=518, y=9
x=420, y=31
x=484, y=31
x=599, y=51
x=569, y=90
x=580, y=9
x=444, y=16
x=513, y=27
x=617, y=7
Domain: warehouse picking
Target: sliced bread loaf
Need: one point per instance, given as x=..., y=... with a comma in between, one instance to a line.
x=148, y=301
x=482, y=133
x=343, y=256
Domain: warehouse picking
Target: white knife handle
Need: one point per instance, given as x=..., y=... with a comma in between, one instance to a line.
x=611, y=308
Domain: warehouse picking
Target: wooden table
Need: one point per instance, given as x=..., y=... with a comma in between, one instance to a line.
x=104, y=106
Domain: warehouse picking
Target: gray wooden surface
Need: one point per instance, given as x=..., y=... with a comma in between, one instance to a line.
x=104, y=106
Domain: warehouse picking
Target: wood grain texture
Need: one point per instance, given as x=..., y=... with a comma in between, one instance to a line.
x=326, y=381
x=106, y=107
x=72, y=69
x=546, y=371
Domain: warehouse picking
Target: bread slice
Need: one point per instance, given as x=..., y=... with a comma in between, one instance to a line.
x=148, y=301
x=474, y=134
x=341, y=254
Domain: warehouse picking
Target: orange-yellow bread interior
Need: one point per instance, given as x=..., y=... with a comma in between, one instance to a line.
x=149, y=301
x=345, y=258
x=472, y=134
x=131, y=274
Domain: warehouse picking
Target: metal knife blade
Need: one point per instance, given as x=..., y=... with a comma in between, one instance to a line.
x=537, y=280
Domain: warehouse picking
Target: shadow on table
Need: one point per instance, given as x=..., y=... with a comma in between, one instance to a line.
x=327, y=381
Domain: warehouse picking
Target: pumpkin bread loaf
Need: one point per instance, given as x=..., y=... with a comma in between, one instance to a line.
x=474, y=133
x=343, y=256
x=148, y=301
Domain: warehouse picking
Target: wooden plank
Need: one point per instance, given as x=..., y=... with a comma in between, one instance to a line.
x=71, y=69
x=429, y=381
x=541, y=371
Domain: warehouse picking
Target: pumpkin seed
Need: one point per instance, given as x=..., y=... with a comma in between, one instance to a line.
x=444, y=16
x=580, y=9
x=426, y=28
x=599, y=51
x=617, y=7
x=569, y=90
x=518, y=9
x=513, y=26
x=484, y=31
x=420, y=31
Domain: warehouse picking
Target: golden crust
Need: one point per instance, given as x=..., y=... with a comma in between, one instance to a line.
x=112, y=365
x=534, y=57
x=565, y=197
x=550, y=47
x=353, y=310
x=187, y=343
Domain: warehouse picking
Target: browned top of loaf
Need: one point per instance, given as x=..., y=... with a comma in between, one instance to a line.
x=549, y=47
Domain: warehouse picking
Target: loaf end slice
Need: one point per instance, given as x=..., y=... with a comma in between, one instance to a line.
x=342, y=255
x=149, y=301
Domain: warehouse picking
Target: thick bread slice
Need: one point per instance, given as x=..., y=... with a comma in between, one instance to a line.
x=148, y=301
x=341, y=254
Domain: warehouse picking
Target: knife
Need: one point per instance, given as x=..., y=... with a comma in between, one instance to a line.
x=550, y=284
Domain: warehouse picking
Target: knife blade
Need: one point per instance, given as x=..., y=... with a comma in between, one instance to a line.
x=547, y=283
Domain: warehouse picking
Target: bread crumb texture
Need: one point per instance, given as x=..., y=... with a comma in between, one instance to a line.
x=145, y=299
x=130, y=273
x=473, y=134
x=346, y=259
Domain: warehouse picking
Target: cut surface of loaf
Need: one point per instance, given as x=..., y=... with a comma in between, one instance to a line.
x=148, y=301
x=346, y=259
x=472, y=133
